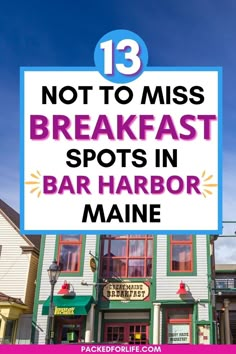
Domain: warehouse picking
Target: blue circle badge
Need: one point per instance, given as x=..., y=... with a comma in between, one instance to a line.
x=121, y=56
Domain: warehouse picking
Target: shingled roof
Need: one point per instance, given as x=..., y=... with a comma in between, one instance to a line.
x=14, y=218
x=6, y=298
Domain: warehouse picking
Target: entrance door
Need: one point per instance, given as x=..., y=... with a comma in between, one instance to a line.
x=69, y=330
x=130, y=333
x=70, y=333
x=179, y=324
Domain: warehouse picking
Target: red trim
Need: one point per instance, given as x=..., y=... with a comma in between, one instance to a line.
x=181, y=243
x=74, y=242
x=187, y=320
x=124, y=257
x=127, y=333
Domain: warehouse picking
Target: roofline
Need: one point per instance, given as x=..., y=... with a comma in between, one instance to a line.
x=14, y=304
x=18, y=230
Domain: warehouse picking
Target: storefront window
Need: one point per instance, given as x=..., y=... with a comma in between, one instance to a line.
x=9, y=332
x=138, y=334
x=115, y=334
x=181, y=253
x=69, y=252
x=204, y=334
x=128, y=333
x=126, y=256
x=179, y=326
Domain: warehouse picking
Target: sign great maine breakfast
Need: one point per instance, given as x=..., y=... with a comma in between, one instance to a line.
x=122, y=146
x=126, y=291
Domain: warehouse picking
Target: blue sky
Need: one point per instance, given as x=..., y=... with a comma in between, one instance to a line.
x=64, y=33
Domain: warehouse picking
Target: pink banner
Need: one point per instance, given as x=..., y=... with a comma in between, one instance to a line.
x=104, y=348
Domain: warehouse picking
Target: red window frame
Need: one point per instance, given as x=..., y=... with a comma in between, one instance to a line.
x=181, y=243
x=126, y=257
x=75, y=242
x=187, y=320
x=127, y=332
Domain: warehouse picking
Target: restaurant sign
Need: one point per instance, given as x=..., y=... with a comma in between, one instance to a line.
x=64, y=310
x=178, y=334
x=126, y=291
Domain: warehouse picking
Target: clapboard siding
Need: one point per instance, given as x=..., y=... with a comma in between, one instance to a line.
x=50, y=243
x=203, y=312
x=167, y=286
x=13, y=264
x=48, y=257
x=41, y=327
x=75, y=281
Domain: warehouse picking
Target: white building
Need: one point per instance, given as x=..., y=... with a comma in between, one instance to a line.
x=18, y=269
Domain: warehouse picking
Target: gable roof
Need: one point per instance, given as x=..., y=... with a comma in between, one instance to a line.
x=14, y=218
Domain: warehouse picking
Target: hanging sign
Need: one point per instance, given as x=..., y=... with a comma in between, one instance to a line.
x=122, y=146
x=93, y=265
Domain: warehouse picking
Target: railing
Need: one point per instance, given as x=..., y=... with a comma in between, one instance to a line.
x=8, y=340
x=5, y=340
x=226, y=283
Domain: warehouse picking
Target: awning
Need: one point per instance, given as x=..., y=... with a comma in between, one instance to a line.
x=68, y=306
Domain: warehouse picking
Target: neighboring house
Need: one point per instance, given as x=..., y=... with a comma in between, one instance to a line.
x=225, y=291
x=73, y=314
x=18, y=270
x=153, y=289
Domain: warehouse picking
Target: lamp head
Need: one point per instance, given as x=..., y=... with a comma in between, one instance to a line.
x=65, y=289
x=182, y=290
x=53, y=272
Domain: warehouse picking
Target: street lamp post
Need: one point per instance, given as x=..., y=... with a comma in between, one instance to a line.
x=53, y=273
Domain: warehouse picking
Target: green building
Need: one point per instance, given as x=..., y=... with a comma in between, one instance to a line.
x=136, y=289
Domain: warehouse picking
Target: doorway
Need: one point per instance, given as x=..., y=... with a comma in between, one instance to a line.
x=69, y=330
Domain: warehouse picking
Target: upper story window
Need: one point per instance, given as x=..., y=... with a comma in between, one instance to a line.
x=126, y=256
x=69, y=252
x=181, y=253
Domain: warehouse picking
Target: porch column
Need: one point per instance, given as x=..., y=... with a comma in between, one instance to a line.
x=89, y=332
x=3, y=323
x=99, y=326
x=222, y=328
x=156, y=323
x=227, y=322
